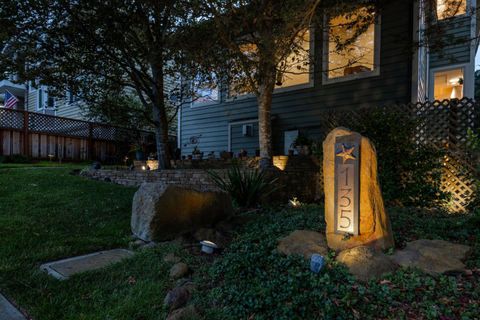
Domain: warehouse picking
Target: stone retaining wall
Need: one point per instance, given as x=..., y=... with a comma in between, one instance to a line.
x=297, y=177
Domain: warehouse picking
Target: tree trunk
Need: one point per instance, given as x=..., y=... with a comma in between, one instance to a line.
x=160, y=118
x=265, y=122
x=161, y=137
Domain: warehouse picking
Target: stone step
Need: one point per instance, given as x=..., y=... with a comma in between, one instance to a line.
x=8, y=310
x=65, y=268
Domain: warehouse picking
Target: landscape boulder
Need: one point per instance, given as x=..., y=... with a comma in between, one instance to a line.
x=180, y=295
x=304, y=243
x=179, y=270
x=374, y=226
x=433, y=256
x=162, y=212
x=186, y=313
x=365, y=264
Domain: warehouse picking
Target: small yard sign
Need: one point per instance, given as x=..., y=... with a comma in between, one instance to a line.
x=347, y=158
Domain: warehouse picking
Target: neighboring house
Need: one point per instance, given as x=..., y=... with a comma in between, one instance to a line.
x=39, y=100
x=385, y=72
x=16, y=89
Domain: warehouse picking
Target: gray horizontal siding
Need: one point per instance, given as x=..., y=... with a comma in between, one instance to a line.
x=241, y=142
x=302, y=109
x=458, y=32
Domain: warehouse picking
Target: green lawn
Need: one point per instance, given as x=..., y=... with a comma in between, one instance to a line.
x=47, y=213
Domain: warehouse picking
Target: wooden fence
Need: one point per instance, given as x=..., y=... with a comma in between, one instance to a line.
x=41, y=136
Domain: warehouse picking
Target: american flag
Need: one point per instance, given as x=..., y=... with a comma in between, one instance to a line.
x=10, y=100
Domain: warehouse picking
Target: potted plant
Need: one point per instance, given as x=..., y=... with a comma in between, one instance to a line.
x=302, y=144
x=197, y=154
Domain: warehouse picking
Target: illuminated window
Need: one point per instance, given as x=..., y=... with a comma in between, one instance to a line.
x=448, y=84
x=352, y=43
x=293, y=71
x=450, y=8
x=205, y=92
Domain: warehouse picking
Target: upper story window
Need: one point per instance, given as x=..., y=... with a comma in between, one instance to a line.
x=293, y=71
x=450, y=8
x=352, y=45
x=205, y=92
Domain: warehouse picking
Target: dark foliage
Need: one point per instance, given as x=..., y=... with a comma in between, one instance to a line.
x=246, y=187
x=14, y=159
x=252, y=278
x=409, y=172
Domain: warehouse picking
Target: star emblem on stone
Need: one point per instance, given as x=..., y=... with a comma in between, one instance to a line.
x=346, y=153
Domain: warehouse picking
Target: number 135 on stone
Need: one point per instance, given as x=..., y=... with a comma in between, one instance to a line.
x=347, y=185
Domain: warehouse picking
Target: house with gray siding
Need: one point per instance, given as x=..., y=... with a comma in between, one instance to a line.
x=393, y=65
x=39, y=100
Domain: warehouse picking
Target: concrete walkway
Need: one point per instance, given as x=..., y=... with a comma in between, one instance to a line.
x=8, y=310
x=65, y=268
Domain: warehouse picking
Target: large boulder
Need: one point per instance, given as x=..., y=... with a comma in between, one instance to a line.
x=304, y=243
x=433, y=256
x=365, y=264
x=374, y=225
x=161, y=212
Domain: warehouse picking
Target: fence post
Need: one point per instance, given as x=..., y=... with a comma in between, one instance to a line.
x=90, y=142
x=26, y=134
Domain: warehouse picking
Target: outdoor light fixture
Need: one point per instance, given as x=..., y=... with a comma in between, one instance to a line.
x=144, y=168
x=208, y=247
x=294, y=203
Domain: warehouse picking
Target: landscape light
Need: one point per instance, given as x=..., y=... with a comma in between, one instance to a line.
x=208, y=247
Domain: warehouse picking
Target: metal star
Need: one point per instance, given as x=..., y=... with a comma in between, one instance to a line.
x=346, y=153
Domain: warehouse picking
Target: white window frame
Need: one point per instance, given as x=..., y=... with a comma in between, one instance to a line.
x=41, y=106
x=309, y=84
x=362, y=75
x=194, y=105
x=468, y=90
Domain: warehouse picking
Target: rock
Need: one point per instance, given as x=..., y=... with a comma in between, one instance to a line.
x=179, y=296
x=96, y=165
x=179, y=270
x=304, y=243
x=433, y=256
x=365, y=264
x=205, y=234
x=375, y=229
x=161, y=212
x=171, y=258
x=136, y=244
x=188, y=312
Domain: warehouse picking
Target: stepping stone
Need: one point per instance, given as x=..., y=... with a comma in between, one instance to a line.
x=63, y=269
x=8, y=310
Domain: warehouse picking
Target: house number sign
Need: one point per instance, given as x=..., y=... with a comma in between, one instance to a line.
x=347, y=159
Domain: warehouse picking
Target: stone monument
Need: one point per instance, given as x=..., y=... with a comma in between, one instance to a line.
x=354, y=209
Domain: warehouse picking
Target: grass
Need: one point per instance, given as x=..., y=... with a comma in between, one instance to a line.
x=47, y=214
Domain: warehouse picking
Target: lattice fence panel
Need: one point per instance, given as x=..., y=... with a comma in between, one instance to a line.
x=11, y=119
x=59, y=126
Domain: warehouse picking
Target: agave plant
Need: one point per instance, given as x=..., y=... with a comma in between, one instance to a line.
x=246, y=187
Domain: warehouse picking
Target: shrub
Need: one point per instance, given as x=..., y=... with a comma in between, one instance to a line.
x=409, y=173
x=246, y=187
x=16, y=158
